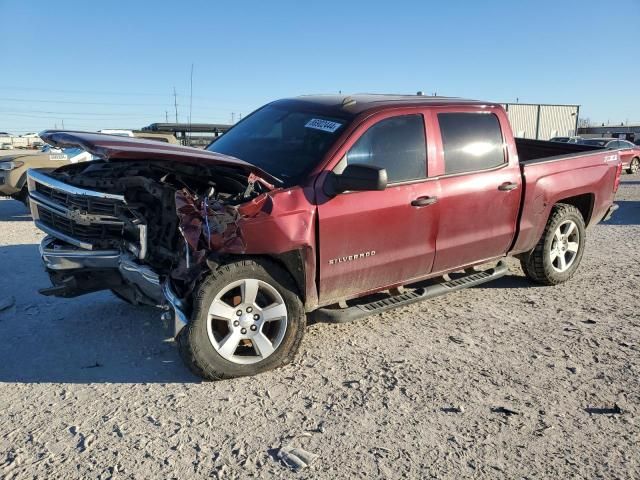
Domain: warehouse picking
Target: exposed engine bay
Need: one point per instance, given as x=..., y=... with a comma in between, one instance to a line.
x=169, y=216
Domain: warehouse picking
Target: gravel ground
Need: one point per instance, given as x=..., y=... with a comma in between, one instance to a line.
x=508, y=380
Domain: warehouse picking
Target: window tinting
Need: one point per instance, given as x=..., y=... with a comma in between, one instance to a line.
x=396, y=144
x=472, y=141
x=286, y=141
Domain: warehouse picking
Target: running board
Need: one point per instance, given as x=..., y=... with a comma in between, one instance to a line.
x=354, y=312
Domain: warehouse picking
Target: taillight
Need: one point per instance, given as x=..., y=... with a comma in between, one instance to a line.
x=616, y=184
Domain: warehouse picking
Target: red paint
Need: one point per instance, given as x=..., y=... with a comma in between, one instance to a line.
x=114, y=147
x=472, y=221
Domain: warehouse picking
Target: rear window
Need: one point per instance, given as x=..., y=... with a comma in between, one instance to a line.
x=471, y=141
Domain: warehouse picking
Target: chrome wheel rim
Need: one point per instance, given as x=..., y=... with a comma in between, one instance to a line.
x=635, y=165
x=564, y=246
x=247, y=321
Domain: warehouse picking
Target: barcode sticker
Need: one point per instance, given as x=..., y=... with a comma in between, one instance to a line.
x=324, y=125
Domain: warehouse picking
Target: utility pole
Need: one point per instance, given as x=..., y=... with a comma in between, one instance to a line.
x=190, y=96
x=233, y=118
x=175, y=102
x=166, y=116
x=63, y=123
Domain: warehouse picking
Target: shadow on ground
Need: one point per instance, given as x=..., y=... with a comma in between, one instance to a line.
x=13, y=210
x=510, y=281
x=93, y=338
x=628, y=213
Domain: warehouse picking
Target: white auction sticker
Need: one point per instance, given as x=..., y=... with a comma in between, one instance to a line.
x=324, y=125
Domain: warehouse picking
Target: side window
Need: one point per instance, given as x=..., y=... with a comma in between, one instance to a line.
x=396, y=144
x=614, y=145
x=471, y=141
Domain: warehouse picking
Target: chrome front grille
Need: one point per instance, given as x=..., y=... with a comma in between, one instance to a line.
x=85, y=233
x=84, y=218
x=93, y=205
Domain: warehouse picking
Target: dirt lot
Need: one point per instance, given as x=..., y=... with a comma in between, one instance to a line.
x=505, y=381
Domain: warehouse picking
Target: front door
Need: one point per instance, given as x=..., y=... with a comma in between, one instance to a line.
x=375, y=239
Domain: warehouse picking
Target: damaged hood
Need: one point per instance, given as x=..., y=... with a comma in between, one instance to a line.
x=116, y=147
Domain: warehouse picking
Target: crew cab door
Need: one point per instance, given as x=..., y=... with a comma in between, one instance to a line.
x=480, y=185
x=374, y=239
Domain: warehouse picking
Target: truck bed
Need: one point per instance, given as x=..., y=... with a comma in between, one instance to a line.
x=552, y=173
x=533, y=151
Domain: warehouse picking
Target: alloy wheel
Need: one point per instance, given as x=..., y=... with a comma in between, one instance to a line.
x=247, y=321
x=564, y=246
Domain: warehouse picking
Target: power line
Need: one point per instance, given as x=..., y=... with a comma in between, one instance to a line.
x=71, y=102
x=81, y=92
x=90, y=92
x=82, y=116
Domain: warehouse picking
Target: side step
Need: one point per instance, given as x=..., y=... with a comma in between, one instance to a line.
x=348, y=314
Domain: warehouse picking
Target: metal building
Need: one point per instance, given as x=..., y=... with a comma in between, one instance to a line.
x=542, y=121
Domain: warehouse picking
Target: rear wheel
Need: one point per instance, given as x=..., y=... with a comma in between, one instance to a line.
x=634, y=166
x=557, y=255
x=247, y=318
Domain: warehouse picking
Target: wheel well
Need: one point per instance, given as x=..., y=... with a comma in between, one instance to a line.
x=292, y=262
x=584, y=203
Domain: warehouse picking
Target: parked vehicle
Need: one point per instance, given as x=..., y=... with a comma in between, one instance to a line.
x=6, y=146
x=13, y=168
x=311, y=206
x=629, y=152
x=566, y=139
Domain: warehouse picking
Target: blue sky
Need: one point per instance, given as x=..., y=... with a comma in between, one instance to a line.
x=114, y=64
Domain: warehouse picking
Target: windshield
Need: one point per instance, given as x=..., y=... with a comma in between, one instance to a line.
x=284, y=141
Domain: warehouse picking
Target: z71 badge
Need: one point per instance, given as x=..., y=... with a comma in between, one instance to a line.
x=350, y=258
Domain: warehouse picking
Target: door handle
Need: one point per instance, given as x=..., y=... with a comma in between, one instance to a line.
x=424, y=201
x=507, y=186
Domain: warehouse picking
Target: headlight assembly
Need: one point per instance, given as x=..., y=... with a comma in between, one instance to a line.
x=10, y=165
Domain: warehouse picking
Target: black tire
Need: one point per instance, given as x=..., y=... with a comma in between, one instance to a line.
x=634, y=165
x=194, y=345
x=537, y=264
x=22, y=196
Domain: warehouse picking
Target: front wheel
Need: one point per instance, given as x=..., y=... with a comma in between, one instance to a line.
x=247, y=318
x=634, y=166
x=557, y=255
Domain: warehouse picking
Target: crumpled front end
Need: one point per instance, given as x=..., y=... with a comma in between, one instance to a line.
x=145, y=231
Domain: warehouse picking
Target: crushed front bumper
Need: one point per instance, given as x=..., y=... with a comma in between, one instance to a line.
x=75, y=271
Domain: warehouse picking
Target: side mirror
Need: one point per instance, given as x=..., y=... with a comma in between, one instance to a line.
x=356, y=177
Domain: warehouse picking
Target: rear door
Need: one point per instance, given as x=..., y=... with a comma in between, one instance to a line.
x=480, y=186
x=374, y=239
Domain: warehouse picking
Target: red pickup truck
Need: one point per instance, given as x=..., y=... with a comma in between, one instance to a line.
x=330, y=207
